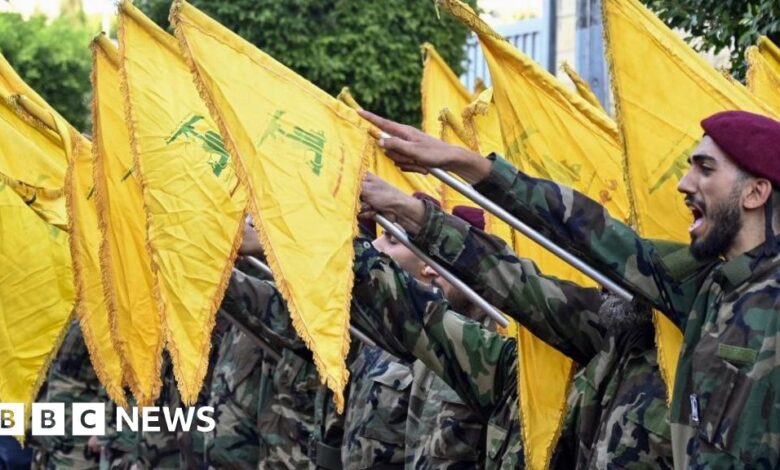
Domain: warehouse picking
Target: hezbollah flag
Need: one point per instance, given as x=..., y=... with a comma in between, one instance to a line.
x=302, y=154
x=125, y=262
x=538, y=117
x=662, y=89
x=36, y=283
x=85, y=239
x=763, y=75
x=583, y=88
x=193, y=204
x=444, y=100
x=482, y=131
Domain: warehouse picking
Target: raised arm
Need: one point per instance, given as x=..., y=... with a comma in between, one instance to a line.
x=562, y=314
x=409, y=319
x=575, y=222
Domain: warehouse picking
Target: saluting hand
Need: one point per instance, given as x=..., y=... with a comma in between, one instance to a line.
x=415, y=151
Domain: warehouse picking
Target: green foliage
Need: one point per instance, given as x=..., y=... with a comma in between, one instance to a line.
x=53, y=58
x=721, y=24
x=371, y=46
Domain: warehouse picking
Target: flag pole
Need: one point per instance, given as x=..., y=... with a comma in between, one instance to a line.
x=401, y=236
x=531, y=233
x=267, y=271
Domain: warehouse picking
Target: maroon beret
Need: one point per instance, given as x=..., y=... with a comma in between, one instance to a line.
x=426, y=197
x=752, y=141
x=472, y=215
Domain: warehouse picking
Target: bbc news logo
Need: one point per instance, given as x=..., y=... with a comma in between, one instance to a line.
x=89, y=419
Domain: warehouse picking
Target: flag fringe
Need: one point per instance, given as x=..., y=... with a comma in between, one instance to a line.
x=335, y=383
x=148, y=398
x=103, y=211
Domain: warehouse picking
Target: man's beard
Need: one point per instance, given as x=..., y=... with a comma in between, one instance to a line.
x=726, y=224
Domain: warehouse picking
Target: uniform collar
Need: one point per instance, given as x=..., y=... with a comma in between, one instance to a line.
x=732, y=274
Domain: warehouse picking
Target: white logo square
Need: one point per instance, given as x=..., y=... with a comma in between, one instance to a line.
x=89, y=419
x=48, y=419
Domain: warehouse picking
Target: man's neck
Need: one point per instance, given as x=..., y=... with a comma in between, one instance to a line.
x=748, y=239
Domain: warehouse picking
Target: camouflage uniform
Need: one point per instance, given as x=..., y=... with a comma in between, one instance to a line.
x=617, y=410
x=238, y=369
x=71, y=379
x=413, y=321
x=138, y=450
x=724, y=409
x=375, y=422
x=441, y=431
x=296, y=426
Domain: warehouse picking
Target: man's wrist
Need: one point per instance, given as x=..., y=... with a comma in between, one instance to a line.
x=470, y=166
x=409, y=213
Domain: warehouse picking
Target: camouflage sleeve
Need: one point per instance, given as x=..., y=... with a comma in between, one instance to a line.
x=258, y=306
x=585, y=228
x=560, y=313
x=411, y=320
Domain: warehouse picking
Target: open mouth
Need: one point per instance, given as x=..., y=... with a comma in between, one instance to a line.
x=698, y=218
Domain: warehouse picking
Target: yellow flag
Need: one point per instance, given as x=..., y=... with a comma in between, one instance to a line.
x=36, y=295
x=12, y=83
x=548, y=132
x=384, y=168
x=125, y=262
x=302, y=154
x=762, y=78
x=483, y=132
x=443, y=100
x=39, y=176
x=663, y=89
x=194, y=205
x=583, y=88
x=85, y=240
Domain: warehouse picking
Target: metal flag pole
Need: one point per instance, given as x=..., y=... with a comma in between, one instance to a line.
x=531, y=233
x=400, y=235
x=354, y=332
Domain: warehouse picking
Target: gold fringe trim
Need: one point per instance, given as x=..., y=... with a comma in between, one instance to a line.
x=14, y=102
x=114, y=390
x=335, y=383
x=479, y=107
x=633, y=218
x=103, y=212
x=143, y=397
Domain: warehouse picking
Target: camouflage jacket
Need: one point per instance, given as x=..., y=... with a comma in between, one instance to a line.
x=724, y=410
x=441, y=431
x=127, y=449
x=375, y=422
x=238, y=370
x=296, y=423
x=617, y=410
x=413, y=321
